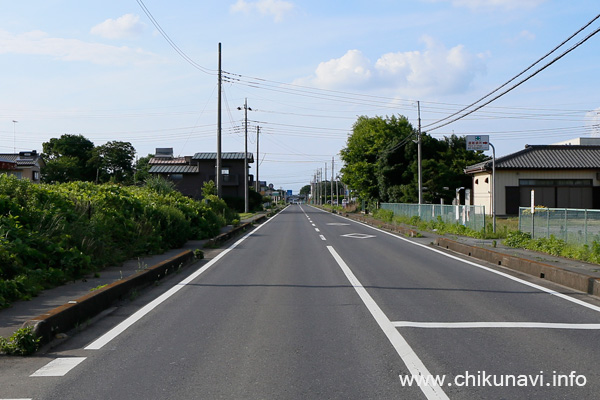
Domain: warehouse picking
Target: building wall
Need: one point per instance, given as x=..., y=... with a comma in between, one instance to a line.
x=504, y=178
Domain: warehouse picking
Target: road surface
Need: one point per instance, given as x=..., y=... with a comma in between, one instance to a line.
x=311, y=305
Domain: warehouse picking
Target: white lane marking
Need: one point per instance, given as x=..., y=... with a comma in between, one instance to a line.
x=505, y=275
x=322, y=237
x=409, y=357
x=477, y=325
x=317, y=229
x=59, y=366
x=120, y=328
x=337, y=224
x=313, y=224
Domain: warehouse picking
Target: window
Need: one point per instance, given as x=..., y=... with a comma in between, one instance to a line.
x=225, y=171
x=35, y=175
x=176, y=177
x=555, y=182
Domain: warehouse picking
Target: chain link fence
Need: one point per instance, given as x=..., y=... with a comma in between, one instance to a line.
x=571, y=225
x=472, y=217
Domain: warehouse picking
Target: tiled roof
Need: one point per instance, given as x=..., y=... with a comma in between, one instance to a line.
x=545, y=157
x=21, y=161
x=224, y=156
x=174, y=169
x=167, y=161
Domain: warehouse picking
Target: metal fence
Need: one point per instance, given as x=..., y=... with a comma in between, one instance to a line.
x=472, y=217
x=571, y=225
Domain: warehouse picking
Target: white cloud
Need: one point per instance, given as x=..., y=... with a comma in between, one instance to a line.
x=414, y=73
x=592, y=119
x=39, y=43
x=275, y=8
x=125, y=27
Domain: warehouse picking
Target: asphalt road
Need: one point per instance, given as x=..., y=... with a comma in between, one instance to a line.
x=314, y=306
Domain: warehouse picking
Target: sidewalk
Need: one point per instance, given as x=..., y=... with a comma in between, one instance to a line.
x=18, y=313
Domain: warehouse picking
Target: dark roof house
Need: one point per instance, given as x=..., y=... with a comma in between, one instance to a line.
x=561, y=176
x=24, y=165
x=190, y=172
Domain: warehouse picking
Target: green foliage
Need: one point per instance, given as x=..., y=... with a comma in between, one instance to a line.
x=159, y=184
x=142, y=168
x=305, y=190
x=381, y=162
x=53, y=233
x=209, y=189
x=23, y=342
x=113, y=162
x=67, y=159
x=383, y=215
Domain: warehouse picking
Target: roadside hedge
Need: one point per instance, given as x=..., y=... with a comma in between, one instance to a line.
x=50, y=234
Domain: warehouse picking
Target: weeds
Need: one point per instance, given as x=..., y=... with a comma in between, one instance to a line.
x=23, y=342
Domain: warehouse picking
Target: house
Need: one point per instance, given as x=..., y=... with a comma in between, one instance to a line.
x=190, y=172
x=25, y=165
x=561, y=175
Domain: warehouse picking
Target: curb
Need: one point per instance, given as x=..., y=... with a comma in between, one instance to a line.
x=223, y=237
x=66, y=317
x=574, y=280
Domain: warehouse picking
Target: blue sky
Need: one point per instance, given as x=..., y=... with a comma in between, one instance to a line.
x=101, y=69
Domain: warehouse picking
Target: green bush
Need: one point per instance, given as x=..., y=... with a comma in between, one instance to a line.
x=23, y=342
x=53, y=233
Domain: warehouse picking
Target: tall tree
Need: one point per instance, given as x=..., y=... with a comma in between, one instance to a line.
x=381, y=162
x=373, y=159
x=113, y=161
x=67, y=159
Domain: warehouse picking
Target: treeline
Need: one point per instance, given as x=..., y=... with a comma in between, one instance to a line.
x=381, y=165
x=50, y=234
x=73, y=158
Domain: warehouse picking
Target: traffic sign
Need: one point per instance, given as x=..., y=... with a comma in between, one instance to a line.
x=478, y=142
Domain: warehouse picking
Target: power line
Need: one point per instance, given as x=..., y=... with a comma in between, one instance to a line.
x=172, y=43
x=518, y=75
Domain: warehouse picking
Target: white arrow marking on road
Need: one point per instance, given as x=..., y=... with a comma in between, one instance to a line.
x=359, y=236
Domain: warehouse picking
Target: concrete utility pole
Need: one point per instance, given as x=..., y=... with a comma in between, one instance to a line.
x=218, y=162
x=419, y=155
x=257, y=159
x=332, y=175
x=245, y=154
x=325, y=183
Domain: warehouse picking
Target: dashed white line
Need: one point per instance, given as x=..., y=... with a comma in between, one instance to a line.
x=313, y=224
x=322, y=237
x=477, y=325
x=317, y=229
x=59, y=366
x=409, y=357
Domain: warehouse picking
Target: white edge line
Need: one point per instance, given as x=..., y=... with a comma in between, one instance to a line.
x=530, y=284
x=58, y=366
x=120, y=328
x=406, y=353
x=477, y=325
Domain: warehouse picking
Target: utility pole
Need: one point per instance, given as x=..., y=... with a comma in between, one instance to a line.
x=332, y=175
x=419, y=156
x=218, y=162
x=257, y=160
x=245, y=155
x=325, y=184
